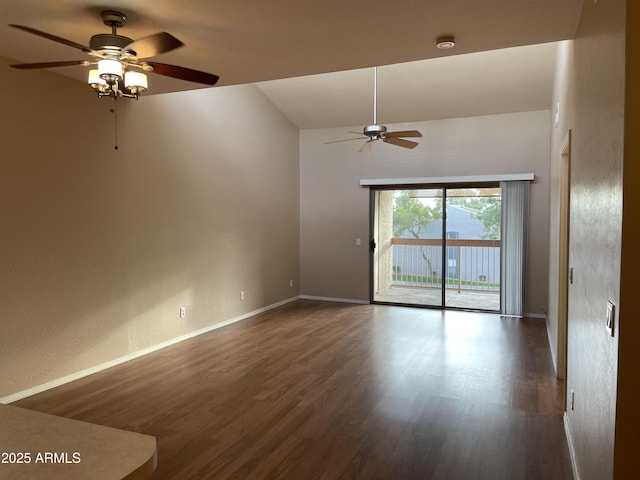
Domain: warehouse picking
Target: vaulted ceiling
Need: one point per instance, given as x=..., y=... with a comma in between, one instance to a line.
x=509, y=80
x=253, y=41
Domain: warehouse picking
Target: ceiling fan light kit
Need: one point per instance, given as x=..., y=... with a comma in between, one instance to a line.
x=120, y=71
x=105, y=80
x=116, y=55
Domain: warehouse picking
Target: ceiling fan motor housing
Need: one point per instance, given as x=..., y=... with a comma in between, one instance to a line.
x=374, y=131
x=109, y=43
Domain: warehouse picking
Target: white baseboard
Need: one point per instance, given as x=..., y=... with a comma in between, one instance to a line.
x=112, y=363
x=572, y=454
x=332, y=299
x=367, y=302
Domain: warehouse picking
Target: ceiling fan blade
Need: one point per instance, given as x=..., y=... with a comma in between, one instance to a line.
x=48, y=36
x=183, y=73
x=404, y=133
x=400, y=142
x=346, y=140
x=366, y=148
x=28, y=66
x=154, y=45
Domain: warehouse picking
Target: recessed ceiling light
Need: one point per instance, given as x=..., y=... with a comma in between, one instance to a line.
x=445, y=43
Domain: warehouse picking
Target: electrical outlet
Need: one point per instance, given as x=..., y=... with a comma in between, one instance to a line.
x=241, y=295
x=291, y=283
x=183, y=312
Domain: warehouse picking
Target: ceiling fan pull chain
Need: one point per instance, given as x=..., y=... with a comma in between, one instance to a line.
x=114, y=110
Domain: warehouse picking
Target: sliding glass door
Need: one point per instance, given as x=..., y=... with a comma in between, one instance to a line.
x=407, y=259
x=437, y=247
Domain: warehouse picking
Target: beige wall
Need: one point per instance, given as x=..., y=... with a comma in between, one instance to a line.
x=100, y=248
x=590, y=82
x=335, y=209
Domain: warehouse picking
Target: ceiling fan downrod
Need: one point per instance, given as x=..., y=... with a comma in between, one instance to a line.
x=375, y=131
x=375, y=95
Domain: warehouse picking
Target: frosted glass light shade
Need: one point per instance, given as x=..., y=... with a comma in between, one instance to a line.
x=110, y=69
x=136, y=81
x=94, y=79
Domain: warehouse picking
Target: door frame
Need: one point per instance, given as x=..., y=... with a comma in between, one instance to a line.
x=563, y=255
x=373, y=224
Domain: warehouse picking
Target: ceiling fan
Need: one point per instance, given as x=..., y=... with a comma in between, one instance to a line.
x=375, y=132
x=121, y=61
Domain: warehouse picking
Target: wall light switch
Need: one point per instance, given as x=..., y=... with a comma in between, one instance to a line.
x=572, y=400
x=611, y=317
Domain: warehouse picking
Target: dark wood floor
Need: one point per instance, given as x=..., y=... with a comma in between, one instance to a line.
x=316, y=390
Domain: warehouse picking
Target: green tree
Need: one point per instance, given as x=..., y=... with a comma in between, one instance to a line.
x=488, y=211
x=411, y=215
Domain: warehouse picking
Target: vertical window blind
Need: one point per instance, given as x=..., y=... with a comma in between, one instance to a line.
x=515, y=218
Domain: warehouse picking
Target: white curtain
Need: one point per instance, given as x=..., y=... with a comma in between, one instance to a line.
x=515, y=214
